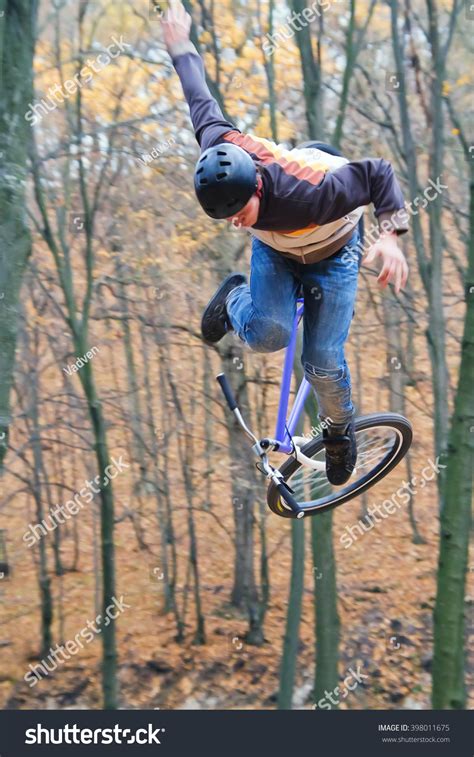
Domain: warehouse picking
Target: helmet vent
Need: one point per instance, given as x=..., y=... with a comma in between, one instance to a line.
x=221, y=175
x=200, y=171
x=221, y=152
x=225, y=163
x=203, y=181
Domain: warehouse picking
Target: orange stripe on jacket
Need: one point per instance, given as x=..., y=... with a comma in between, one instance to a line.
x=266, y=155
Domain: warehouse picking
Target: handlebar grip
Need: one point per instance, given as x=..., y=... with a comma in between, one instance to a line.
x=290, y=500
x=227, y=390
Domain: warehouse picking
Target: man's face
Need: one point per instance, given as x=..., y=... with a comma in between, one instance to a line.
x=249, y=214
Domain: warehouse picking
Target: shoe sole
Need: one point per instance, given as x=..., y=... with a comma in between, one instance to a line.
x=213, y=335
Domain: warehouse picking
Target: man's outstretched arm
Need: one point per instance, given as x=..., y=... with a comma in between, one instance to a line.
x=207, y=118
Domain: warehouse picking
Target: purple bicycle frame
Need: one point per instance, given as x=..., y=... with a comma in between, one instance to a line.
x=284, y=429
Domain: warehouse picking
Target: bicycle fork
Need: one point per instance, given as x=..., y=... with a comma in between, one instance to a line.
x=259, y=449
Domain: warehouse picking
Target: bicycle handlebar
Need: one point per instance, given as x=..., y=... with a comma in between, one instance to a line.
x=227, y=390
x=283, y=489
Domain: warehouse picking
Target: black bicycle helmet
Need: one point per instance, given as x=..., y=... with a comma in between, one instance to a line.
x=225, y=179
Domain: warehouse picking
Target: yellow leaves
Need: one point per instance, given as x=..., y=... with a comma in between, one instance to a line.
x=455, y=132
x=206, y=38
x=251, y=53
x=465, y=79
x=361, y=13
x=462, y=81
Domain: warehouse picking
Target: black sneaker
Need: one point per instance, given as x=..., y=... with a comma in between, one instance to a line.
x=341, y=454
x=215, y=323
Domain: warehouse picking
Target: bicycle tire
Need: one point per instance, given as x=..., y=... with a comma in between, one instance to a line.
x=339, y=497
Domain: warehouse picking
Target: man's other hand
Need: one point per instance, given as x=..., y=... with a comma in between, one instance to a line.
x=395, y=267
x=176, y=25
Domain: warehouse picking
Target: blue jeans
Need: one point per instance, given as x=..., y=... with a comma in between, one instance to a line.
x=263, y=314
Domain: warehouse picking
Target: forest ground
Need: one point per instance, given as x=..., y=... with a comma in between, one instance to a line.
x=386, y=588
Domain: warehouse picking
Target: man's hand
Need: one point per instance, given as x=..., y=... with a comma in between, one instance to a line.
x=395, y=268
x=176, y=25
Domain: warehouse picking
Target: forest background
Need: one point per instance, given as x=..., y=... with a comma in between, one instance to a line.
x=106, y=262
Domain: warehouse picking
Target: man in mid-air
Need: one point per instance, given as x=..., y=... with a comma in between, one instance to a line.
x=302, y=208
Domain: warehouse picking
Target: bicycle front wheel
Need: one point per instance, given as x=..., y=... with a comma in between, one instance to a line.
x=383, y=440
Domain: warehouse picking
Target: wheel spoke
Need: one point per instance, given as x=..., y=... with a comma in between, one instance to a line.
x=374, y=446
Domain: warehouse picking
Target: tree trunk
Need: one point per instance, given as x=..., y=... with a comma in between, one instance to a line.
x=448, y=665
x=133, y=394
x=186, y=454
x=17, y=41
x=269, y=66
x=165, y=463
x=30, y=392
x=44, y=579
x=437, y=323
x=326, y=614
x=293, y=617
x=312, y=89
x=346, y=79
x=244, y=592
x=109, y=647
x=397, y=379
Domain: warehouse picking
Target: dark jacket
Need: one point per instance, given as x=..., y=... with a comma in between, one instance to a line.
x=302, y=191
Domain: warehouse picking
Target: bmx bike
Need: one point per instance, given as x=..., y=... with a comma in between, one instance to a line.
x=300, y=486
